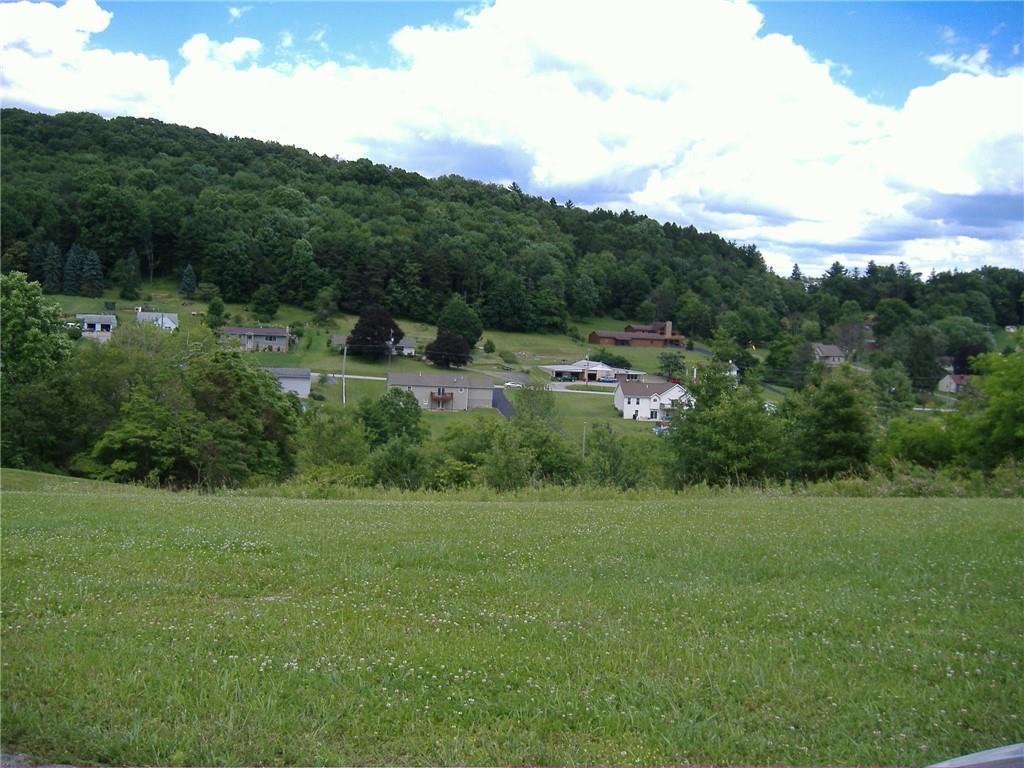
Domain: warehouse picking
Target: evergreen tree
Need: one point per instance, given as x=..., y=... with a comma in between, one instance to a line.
x=53, y=270
x=92, y=274
x=36, y=262
x=188, y=282
x=72, y=275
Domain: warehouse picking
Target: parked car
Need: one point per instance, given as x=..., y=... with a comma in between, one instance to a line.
x=513, y=385
x=608, y=380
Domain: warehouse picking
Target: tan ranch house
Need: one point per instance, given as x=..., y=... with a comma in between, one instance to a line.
x=271, y=339
x=444, y=392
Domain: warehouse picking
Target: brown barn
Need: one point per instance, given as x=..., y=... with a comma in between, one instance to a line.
x=655, y=335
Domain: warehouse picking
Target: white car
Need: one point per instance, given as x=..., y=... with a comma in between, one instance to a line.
x=513, y=385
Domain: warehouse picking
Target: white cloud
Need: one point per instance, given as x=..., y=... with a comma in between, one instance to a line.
x=974, y=64
x=318, y=38
x=685, y=111
x=237, y=12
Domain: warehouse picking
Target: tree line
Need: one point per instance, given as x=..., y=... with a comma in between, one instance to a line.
x=178, y=410
x=268, y=224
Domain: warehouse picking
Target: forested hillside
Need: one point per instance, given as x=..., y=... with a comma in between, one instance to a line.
x=246, y=213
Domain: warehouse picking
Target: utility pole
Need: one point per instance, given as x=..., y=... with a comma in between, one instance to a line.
x=344, y=357
x=391, y=351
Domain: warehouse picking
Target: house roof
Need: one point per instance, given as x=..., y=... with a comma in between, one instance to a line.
x=594, y=366
x=630, y=335
x=407, y=341
x=646, y=389
x=242, y=330
x=437, y=380
x=289, y=373
x=99, y=319
x=828, y=350
x=161, y=318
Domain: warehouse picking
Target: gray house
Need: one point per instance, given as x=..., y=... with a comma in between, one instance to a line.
x=167, y=321
x=829, y=354
x=97, y=327
x=271, y=339
x=295, y=380
x=444, y=391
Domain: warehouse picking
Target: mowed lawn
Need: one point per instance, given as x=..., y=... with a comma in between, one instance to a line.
x=152, y=628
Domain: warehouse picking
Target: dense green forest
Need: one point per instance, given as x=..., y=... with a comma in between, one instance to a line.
x=146, y=198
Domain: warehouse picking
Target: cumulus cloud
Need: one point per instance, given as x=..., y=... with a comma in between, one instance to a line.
x=685, y=111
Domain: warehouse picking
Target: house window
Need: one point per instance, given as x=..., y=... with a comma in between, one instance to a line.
x=269, y=338
x=654, y=414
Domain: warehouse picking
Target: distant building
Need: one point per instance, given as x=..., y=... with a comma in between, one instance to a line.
x=589, y=370
x=97, y=327
x=653, y=335
x=407, y=346
x=444, y=392
x=953, y=383
x=167, y=321
x=642, y=401
x=295, y=380
x=272, y=339
x=829, y=354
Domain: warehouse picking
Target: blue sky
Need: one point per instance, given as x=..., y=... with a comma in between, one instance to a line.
x=886, y=46
x=886, y=131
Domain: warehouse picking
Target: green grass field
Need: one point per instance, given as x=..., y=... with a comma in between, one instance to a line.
x=143, y=627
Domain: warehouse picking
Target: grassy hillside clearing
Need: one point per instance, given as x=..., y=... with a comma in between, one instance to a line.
x=313, y=351
x=149, y=628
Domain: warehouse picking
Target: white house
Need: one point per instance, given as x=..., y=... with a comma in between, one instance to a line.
x=650, y=402
x=166, y=321
x=407, y=346
x=953, y=383
x=295, y=380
